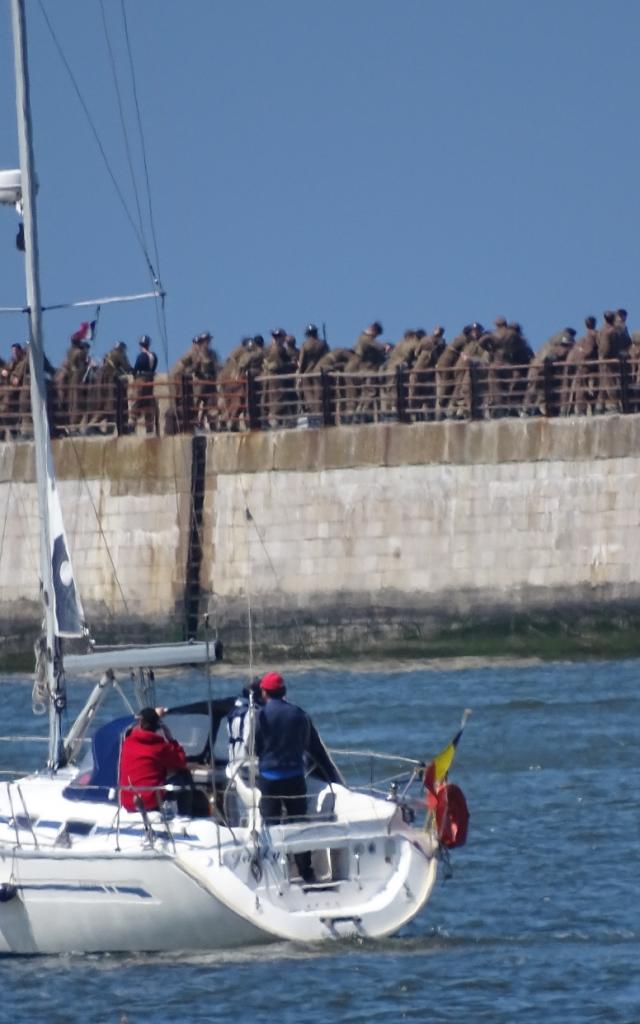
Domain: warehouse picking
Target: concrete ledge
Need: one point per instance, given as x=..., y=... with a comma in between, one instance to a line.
x=398, y=444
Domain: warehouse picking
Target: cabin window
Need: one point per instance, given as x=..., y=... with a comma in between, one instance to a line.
x=24, y=821
x=73, y=828
x=79, y=828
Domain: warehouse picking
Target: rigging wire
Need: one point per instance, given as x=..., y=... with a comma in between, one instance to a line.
x=296, y=622
x=160, y=304
x=143, y=146
x=123, y=123
x=98, y=140
x=85, y=481
x=353, y=761
x=154, y=273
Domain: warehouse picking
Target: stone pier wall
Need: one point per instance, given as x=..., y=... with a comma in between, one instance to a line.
x=359, y=538
x=126, y=505
x=392, y=535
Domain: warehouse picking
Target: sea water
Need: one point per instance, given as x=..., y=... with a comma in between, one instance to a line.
x=538, y=923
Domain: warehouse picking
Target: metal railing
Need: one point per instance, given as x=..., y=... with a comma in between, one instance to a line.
x=467, y=391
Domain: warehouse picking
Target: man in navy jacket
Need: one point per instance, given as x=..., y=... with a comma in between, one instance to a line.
x=283, y=737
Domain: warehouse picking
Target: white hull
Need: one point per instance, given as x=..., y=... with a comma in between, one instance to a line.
x=110, y=891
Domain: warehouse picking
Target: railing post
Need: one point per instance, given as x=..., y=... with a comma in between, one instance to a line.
x=548, y=380
x=50, y=399
x=326, y=391
x=474, y=396
x=253, y=404
x=121, y=415
x=624, y=385
x=401, y=395
x=186, y=396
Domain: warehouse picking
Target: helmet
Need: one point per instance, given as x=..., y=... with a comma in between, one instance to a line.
x=311, y=331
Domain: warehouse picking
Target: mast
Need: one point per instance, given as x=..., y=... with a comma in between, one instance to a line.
x=55, y=678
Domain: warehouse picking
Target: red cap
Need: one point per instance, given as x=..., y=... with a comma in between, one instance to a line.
x=272, y=682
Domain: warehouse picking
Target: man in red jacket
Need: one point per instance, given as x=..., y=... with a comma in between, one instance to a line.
x=149, y=753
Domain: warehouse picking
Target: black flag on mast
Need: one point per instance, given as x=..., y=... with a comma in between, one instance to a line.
x=67, y=606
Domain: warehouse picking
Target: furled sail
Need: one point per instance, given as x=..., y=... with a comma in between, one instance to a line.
x=67, y=607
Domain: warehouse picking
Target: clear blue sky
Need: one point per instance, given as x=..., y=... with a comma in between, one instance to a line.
x=412, y=161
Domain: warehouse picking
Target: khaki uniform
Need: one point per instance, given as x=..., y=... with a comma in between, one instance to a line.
x=232, y=388
x=309, y=383
x=111, y=387
x=580, y=375
x=553, y=354
x=445, y=374
x=475, y=356
x=610, y=351
x=279, y=401
x=205, y=376
x=507, y=353
x=70, y=382
x=634, y=372
x=13, y=376
x=358, y=394
x=422, y=381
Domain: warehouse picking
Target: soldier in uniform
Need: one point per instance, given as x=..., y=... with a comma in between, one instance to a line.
x=400, y=359
x=611, y=342
x=278, y=405
x=70, y=380
x=507, y=350
x=523, y=356
x=309, y=383
x=180, y=416
x=232, y=387
x=245, y=360
x=624, y=338
x=12, y=376
x=192, y=382
x=358, y=399
x=544, y=384
x=205, y=375
x=470, y=392
x=422, y=382
x=580, y=372
x=445, y=375
x=144, y=403
x=111, y=386
x=634, y=372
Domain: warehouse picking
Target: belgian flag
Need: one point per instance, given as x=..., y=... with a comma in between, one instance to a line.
x=437, y=770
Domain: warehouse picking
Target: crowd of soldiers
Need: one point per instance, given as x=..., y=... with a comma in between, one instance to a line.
x=422, y=377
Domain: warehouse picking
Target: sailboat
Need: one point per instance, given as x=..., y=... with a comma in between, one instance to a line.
x=79, y=873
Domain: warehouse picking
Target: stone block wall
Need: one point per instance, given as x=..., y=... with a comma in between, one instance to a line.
x=353, y=536
x=126, y=505
x=411, y=529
